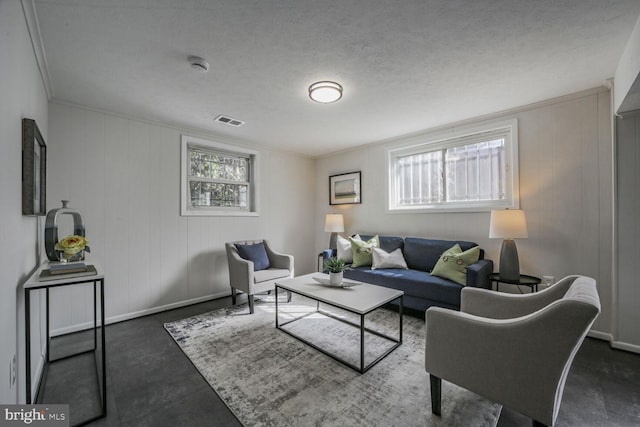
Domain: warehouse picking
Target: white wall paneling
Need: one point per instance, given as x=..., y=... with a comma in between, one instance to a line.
x=23, y=95
x=123, y=175
x=627, y=318
x=565, y=189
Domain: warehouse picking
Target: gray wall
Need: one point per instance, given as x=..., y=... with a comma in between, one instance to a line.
x=565, y=163
x=22, y=95
x=157, y=259
x=123, y=175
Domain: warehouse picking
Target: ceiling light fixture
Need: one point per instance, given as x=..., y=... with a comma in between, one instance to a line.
x=199, y=64
x=325, y=92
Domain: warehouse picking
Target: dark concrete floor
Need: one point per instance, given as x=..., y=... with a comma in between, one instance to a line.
x=150, y=382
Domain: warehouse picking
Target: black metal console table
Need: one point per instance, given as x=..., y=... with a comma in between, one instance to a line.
x=34, y=283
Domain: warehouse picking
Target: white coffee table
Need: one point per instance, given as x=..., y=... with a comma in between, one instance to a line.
x=360, y=300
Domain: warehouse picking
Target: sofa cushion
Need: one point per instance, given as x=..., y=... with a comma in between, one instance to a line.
x=453, y=263
x=384, y=259
x=343, y=249
x=422, y=254
x=256, y=254
x=388, y=243
x=416, y=283
x=362, y=251
x=270, y=274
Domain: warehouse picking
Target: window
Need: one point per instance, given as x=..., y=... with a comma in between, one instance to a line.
x=218, y=179
x=472, y=170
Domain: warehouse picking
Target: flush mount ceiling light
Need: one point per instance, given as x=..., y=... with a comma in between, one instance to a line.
x=199, y=64
x=325, y=92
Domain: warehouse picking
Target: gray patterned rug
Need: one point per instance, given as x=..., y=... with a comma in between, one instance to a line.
x=268, y=378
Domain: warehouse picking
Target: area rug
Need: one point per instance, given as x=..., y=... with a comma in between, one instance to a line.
x=268, y=378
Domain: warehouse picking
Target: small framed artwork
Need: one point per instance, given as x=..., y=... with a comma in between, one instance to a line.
x=34, y=170
x=345, y=188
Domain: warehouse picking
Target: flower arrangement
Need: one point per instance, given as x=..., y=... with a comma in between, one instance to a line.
x=72, y=246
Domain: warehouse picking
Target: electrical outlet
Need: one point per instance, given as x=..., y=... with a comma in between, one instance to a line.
x=548, y=281
x=12, y=371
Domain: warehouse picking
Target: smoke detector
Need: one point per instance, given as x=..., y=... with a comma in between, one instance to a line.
x=199, y=64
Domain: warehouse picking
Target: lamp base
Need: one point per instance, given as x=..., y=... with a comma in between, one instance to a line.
x=509, y=262
x=333, y=241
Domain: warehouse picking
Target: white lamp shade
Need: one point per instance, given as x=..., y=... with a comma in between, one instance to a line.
x=508, y=224
x=334, y=223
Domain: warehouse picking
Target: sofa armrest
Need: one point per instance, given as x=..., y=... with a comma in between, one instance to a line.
x=240, y=271
x=478, y=274
x=499, y=305
x=279, y=260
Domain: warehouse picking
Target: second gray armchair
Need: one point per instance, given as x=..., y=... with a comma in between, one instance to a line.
x=258, y=270
x=515, y=350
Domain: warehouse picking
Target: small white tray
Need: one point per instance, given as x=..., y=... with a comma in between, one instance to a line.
x=344, y=284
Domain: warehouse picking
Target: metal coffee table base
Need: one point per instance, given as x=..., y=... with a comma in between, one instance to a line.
x=362, y=368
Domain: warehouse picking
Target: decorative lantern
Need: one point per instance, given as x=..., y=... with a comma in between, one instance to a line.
x=51, y=232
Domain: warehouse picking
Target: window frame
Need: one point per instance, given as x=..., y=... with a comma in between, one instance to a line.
x=443, y=139
x=254, y=192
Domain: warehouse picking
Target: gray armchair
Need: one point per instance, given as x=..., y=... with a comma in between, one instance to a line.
x=513, y=349
x=243, y=277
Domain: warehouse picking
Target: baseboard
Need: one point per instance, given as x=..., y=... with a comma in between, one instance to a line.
x=600, y=335
x=128, y=316
x=613, y=343
x=625, y=346
x=136, y=314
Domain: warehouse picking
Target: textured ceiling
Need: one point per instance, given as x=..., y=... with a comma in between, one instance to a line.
x=405, y=65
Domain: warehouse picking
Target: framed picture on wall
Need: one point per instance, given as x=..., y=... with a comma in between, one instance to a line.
x=34, y=170
x=345, y=188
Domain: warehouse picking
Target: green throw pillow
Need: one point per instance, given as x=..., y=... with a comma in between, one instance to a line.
x=453, y=263
x=362, y=253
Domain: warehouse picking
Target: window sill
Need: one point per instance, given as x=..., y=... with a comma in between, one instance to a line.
x=219, y=213
x=452, y=209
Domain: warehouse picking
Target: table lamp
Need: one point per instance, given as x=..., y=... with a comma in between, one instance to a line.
x=334, y=224
x=508, y=224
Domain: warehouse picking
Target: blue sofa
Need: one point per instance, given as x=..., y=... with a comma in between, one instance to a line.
x=421, y=289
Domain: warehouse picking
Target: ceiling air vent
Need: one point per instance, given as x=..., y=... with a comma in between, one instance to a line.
x=229, y=121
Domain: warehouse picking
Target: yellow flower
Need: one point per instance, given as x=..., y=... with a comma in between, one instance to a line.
x=71, y=245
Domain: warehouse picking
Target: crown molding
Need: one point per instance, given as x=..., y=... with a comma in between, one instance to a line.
x=184, y=129
x=31, y=18
x=499, y=115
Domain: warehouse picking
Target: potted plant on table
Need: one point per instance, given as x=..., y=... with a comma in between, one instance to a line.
x=335, y=266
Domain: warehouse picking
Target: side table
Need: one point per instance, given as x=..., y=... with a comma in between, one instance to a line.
x=34, y=283
x=324, y=256
x=525, y=280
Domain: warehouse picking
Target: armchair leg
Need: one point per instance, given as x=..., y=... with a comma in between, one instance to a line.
x=250, y=297
x=436, y=394
x=288, y=296
x=233, y=296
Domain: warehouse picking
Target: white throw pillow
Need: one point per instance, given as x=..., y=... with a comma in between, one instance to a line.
x=383, y=259
x=344, y=250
